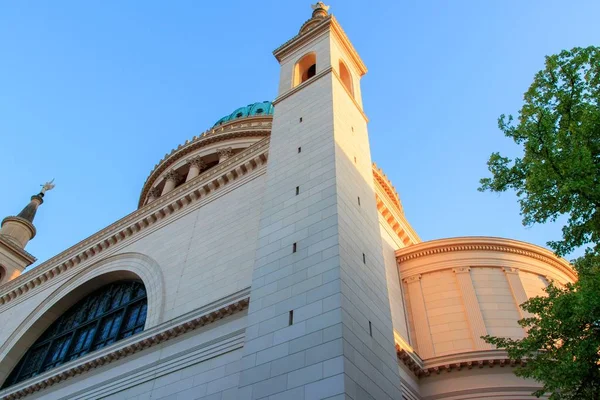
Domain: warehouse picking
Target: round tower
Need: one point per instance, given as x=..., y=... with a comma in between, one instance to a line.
x=15, y=233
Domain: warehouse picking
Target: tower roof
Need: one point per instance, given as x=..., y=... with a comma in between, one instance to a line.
x=28, y=213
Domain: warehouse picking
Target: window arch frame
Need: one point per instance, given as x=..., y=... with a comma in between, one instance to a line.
x=86, y=327
x=346, y=76
x=302, y=68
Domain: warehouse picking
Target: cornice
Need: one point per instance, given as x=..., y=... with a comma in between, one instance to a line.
x=124, y=348
x=241, y=164
x=301, y=86
x=329, y=22
x=239, y=128
x=484, y=243
x=449, y=363
x=301, y=38
x=347, y=45
x=18, y=251
x=382, y=180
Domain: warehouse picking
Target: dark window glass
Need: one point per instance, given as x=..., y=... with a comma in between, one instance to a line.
x=114, y=312
x=312, y=71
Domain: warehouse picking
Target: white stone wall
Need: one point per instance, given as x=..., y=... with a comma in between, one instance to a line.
x=208, y=253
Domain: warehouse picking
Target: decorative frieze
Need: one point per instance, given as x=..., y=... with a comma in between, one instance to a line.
x=479, y=359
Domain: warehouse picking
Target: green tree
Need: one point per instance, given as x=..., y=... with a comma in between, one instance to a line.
x=559, y=175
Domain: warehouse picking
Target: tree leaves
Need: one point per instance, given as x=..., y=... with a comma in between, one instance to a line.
x=559, y=130
x=559, y=173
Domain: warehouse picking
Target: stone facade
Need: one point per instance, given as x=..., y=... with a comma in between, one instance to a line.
x=278, y=264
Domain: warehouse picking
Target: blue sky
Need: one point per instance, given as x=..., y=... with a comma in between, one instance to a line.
x=95, y=93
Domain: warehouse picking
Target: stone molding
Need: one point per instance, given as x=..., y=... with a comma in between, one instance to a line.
x=241, y=164
x=487, y=244
x=468, y=360
x=386, y=186
x=194, y=355
x=329, y=22
x=17, y=250
x=122, y=349
x=240, y=128
x=397, y=222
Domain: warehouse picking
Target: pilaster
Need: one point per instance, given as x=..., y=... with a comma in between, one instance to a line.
x=517, y=289
x=471, y=304
x=419, y=315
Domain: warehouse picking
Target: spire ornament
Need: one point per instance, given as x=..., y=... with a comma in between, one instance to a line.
x=47, y=186
x=319, y=9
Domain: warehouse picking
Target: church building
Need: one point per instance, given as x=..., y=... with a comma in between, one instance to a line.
x=268, y=258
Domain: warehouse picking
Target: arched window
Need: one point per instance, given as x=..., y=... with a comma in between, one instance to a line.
x=112, y=313
x=305, y=68
x=346, y=77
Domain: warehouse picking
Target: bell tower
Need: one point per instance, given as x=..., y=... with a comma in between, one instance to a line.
x=319, y=321
x=15, y=233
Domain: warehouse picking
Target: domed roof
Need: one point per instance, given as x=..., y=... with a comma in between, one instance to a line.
x=256, y=109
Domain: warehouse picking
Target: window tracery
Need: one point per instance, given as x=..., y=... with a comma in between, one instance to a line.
x=111, y=313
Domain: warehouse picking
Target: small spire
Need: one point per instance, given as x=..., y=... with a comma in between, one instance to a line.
x=28, y=213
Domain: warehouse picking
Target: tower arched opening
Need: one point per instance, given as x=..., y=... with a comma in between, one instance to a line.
x=305, y=68
x=346, y=77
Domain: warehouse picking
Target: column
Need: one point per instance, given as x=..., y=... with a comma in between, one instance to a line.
x=171, y=179
x=196, y=165
x=419, y=315
x=471, y=304
x=224, y=153
x=153, y=194
x=517, y=289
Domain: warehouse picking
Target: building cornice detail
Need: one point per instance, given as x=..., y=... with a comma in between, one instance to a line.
x=18, y=251
x=241, y=164
x=490, y=244
x=394, y=219
x=382, y=180
x=126, y=348
x=449, y=363
x=239, y=128
x=301, y=86
x=329, y=22
x=302, y=38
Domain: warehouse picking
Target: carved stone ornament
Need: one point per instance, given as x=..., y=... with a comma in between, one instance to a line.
x=412, y=279
x=510, y=270
x=154, y=192
x=172, y=176
x=459, y=270
x=197, y=162
x=225, y=153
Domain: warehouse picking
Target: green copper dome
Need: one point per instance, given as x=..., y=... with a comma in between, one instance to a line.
x=256, y=109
